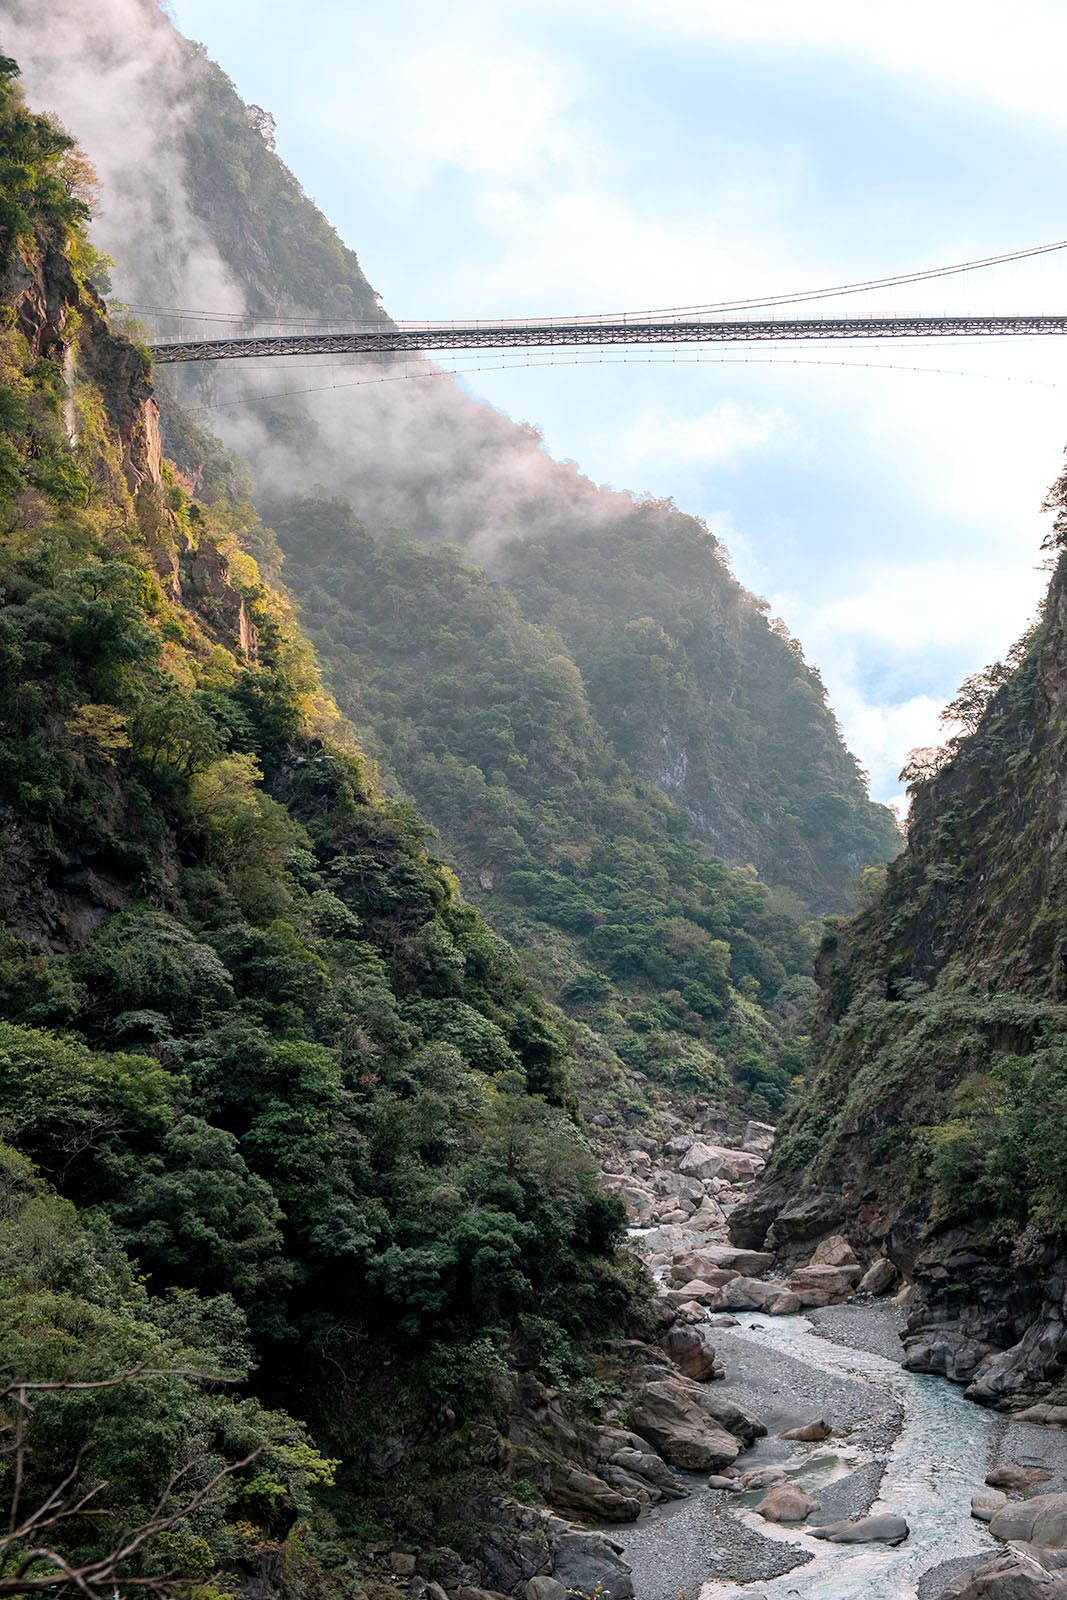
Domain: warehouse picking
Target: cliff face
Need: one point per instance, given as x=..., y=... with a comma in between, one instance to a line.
x=273, y=1096
x=690, y=685
x=933, y=1119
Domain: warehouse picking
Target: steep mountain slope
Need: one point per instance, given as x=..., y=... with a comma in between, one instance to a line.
x=692, y=975
x=933, y=1121
x=690, y=685
x=280, y=1100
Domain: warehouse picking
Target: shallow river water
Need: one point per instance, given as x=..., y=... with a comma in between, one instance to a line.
x=938, y=1461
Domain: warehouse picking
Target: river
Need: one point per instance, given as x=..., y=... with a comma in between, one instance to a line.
x=937, y=1462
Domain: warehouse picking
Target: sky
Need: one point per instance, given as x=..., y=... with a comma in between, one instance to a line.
x=522, y=158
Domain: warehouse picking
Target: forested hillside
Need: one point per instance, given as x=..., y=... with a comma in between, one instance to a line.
x=691, y=975
x=933, y=1119
x=687, y=682
x=290, y=1153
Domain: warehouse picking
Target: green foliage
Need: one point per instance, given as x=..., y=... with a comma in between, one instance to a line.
x=247, y=1026
x=656, y=944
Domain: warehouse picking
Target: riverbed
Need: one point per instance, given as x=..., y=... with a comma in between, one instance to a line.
x=903, y=1443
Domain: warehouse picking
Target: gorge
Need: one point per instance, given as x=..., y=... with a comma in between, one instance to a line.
x=429, y=1167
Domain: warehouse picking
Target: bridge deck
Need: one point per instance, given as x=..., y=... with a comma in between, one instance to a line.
x=501, y=336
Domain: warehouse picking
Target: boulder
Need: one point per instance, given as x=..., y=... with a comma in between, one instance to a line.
x=689, y=1268
x=618, y=1449
x=1012, y=1477
x=543, y=1589
x=588, y=1563
x=573, y=1490
x=734, y=1418
x=746, y=1294
x=717, y=1480
x=819, y=1285
x=1017, y=1574
x=690, y=1353
x=879, y=1278
x=698, y=1263
x=1052, y=1416
x=786, y=1502
x=834, y=1252
x=883, y=1529
x=809, y=1432
x=799, y=1221
x=696, y=1289
x=986, y=1504
x=693, y=1310
x=665, y=1415
x=785, y=1304
x=716, y=1161
x=709, y=1217
x=704, y=1160
x=761, y=1478
x=758, y=1138
x=749, y=1263
x=402, y=1563
x=1042, y=1520
x=638, y=1204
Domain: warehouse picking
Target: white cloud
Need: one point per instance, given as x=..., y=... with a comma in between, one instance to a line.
x=1009, y=56
x=690, y=445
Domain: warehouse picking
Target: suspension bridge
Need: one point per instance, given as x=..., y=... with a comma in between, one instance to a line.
x=421, y=338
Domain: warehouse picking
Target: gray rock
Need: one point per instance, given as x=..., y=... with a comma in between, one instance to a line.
x=834, y=1251
x=1014, y=1575
x=1013, y=1477
x=747, y=1294
x=584, y=1560
x=879, y=1278
x=543, y=1589
x=731, y=1416
x=664, y=1413
x=1042, y=1520
x=762, y=1478
x=758, y=1138
x=690, y=1353
x=865, y=1530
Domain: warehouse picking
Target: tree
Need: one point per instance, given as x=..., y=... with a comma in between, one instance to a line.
x=35, y=1555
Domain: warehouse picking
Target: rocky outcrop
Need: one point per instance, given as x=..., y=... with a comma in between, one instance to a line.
x=671, y=1420
x=1023, y=1573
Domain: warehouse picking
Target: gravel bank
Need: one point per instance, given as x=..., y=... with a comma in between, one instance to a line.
x=677, y=1547
x=874, y=1326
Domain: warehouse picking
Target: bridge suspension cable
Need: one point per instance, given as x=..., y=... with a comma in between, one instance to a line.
x=387, y=340
x=710, y=308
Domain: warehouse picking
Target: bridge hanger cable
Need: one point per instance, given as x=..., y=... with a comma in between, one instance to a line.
x=798, y=297
x=586, y=361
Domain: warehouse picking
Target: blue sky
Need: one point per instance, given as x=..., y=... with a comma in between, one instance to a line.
x=523, y=158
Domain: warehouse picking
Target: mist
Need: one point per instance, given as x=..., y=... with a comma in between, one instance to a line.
x=400, y=440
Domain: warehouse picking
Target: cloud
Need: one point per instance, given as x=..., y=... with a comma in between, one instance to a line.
x=977, y=46
x=716, y=439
